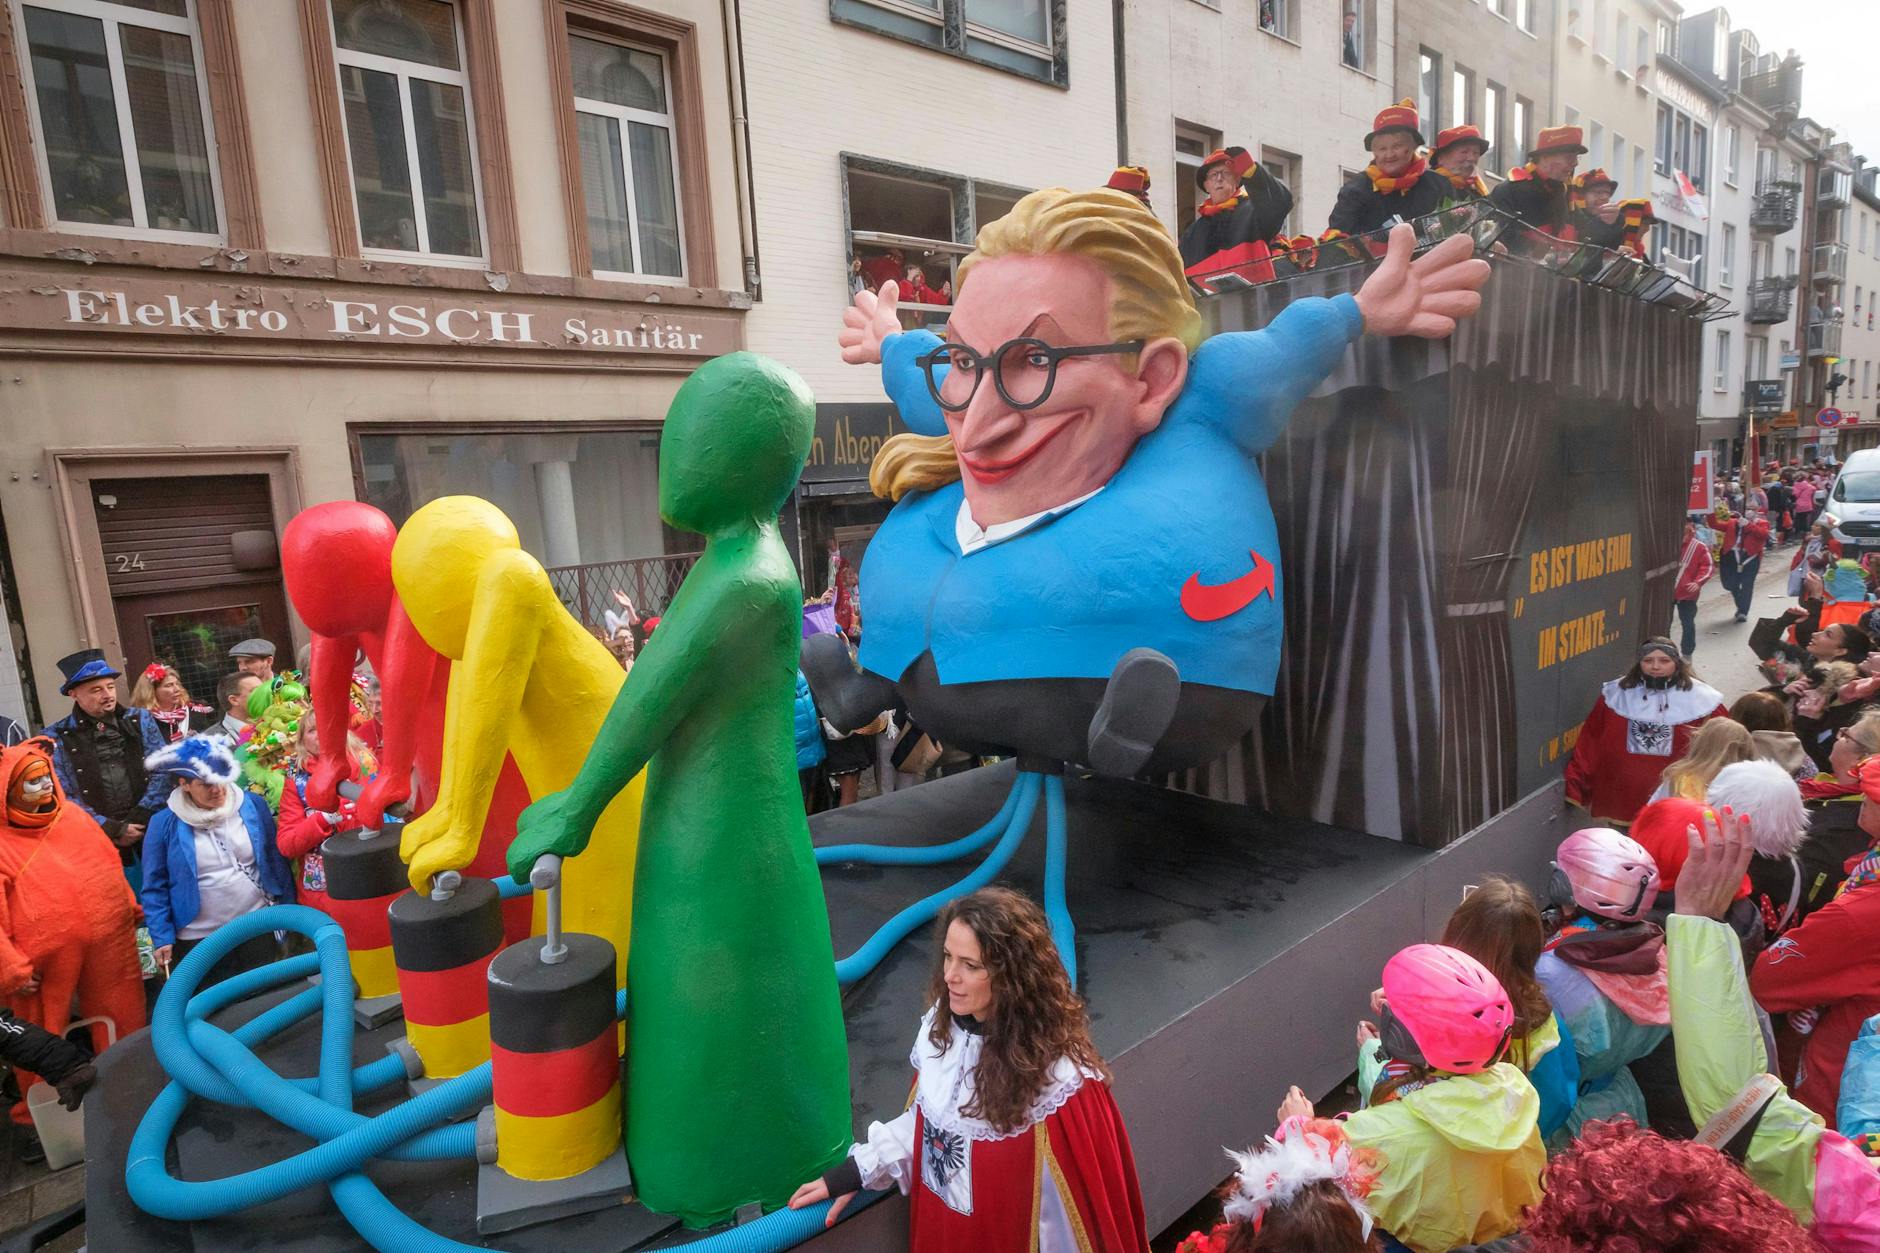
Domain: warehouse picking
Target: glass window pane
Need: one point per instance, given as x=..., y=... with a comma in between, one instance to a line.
x=196, y=642
x=1027, y=19
x=166, y=118
x=604, y=179
x=72, y=79
x=443, y=135
x=175, y=8
x=411, y=30
x=617, y=75
x=655, y=199
x=375, y=136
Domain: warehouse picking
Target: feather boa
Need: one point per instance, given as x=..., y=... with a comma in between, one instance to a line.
x=1302, y=1153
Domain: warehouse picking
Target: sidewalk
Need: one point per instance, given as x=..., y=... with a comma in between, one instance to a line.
x=1723, y=659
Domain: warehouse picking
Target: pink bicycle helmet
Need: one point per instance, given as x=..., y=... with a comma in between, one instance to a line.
x=1607, y=874
x=1455, y=1011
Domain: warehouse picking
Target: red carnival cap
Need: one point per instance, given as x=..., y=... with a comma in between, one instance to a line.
x=1558, y=139
x=1596, y=178
x=1401, y=116
x=1133, y=179
x=1455, y=135
x=1662, y=829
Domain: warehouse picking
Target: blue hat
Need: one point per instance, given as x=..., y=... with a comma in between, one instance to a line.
x=82, y=667
x=210, y=758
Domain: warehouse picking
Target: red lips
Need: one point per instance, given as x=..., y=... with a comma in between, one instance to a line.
x=996, y=471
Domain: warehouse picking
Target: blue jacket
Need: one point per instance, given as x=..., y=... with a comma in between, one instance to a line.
x=76, y=768
x=170, y=898
x=1067, y=598
x=810, y=750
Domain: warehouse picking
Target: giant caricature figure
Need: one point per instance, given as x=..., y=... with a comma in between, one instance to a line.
x=527, y=681
x=336, y=559
x=737, y=1065
x=1082, y=563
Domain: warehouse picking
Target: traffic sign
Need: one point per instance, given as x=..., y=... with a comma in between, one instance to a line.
x=1828, y=417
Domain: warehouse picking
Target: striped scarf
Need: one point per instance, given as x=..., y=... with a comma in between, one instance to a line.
x=1865, y=871
x=1209, y=208
x=1383, y=184
x=1472, y=183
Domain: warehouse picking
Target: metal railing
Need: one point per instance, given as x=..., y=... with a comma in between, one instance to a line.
x=650, y=582
x=1776, y=208
x=1771, y=300
x=1831, y=262
x=1824, y=339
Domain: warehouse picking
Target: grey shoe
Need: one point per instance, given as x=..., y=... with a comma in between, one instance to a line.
x=1138, y=705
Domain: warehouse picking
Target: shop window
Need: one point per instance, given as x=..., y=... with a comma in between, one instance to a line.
x=120, y=109
x=404, y=96
x=623, y=119
x=1025, y=36
x=580, y=497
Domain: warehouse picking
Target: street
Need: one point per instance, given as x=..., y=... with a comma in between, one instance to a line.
x=1723, y=659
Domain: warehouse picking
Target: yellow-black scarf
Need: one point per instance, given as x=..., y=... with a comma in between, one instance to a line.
x=1383, y=184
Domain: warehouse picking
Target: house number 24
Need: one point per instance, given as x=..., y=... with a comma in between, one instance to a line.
x=126, y=562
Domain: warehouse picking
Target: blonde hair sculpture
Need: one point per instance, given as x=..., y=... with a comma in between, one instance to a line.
x=1149, y=298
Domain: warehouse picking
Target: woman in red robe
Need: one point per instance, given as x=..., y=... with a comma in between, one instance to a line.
x=1012, y=1141
x=1642, y=723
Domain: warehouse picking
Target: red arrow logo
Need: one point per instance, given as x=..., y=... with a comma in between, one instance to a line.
x=1210, y=602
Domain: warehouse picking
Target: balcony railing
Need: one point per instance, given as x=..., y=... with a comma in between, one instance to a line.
x=1824, y=339
x=650, y=582
x=1778, y=90
x=1771, y=300
x=1776, y=208
x=1830, y=263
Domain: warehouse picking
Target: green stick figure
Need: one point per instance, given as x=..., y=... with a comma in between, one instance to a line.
x=737, y=1062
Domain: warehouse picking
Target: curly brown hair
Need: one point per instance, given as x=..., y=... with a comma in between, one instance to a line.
x=1620, y=1189
x=1037, y=1018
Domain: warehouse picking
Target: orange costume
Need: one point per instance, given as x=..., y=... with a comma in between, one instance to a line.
x=68, y=917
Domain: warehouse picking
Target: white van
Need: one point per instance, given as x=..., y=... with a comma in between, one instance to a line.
x=1855, y=500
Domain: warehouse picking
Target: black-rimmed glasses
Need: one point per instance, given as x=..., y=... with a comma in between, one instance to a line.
x=1025, y=370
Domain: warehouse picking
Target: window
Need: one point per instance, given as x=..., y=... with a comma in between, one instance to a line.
x=1863, y=232
x=1732, y=140
x=1680, y=142
x=121, y=115
x=1023, y=36
x=1699, y=168
x=1616, y=167
x=1461, y=97
x=1600, y=45
x=1758, y=354
x=1357, y=41
x=1575, y=29
x=1521, y=134
x=1638, y=171
x=1720, y=379
x=1664, y=39
x=623, y=118
x=1191, y=144
x=1661, y=160
x=1429, y=85
x=1524, y=15
x=1720, y=46
x=1570, y=116
x=1280, y=17
x=906, y=225
x=1285, y=167
x=1623, y=44
x=1644, y=54
x=403, y=93
x=1791, y=271
x=1498, y=7
x=1726, y=263
x=1491, y=124
x=1595, y=139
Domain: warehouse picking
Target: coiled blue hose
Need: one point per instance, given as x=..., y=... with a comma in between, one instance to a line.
x=1057, y=910
x=204, y=1060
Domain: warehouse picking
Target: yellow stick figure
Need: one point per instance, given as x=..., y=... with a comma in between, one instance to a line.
x=527, y=680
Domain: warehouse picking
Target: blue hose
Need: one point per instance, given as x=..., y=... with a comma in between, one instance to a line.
x=932, y=855
x=869, y=955
x=204, y=1060
x=1057, y=910
x=507, y=887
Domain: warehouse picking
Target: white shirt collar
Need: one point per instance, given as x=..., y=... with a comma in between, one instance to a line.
x=972, y=537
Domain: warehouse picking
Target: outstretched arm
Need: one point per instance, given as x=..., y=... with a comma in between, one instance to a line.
x=664, y=686
x=409, y=666
x=512, y=598
x=871, y=332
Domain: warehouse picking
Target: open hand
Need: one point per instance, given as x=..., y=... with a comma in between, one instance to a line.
x=816, y=1191
x=871, y=319
x=1713, y=870
x=1367, y=1032
x=1295, y=1105
x=551, y=825
x=1422, y=297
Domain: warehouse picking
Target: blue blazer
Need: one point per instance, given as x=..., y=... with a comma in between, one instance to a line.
x=170, y=897
x=1067, y=598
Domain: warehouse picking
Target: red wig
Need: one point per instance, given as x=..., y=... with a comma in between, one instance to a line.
x=1661, y=829
x=1623, y=1190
